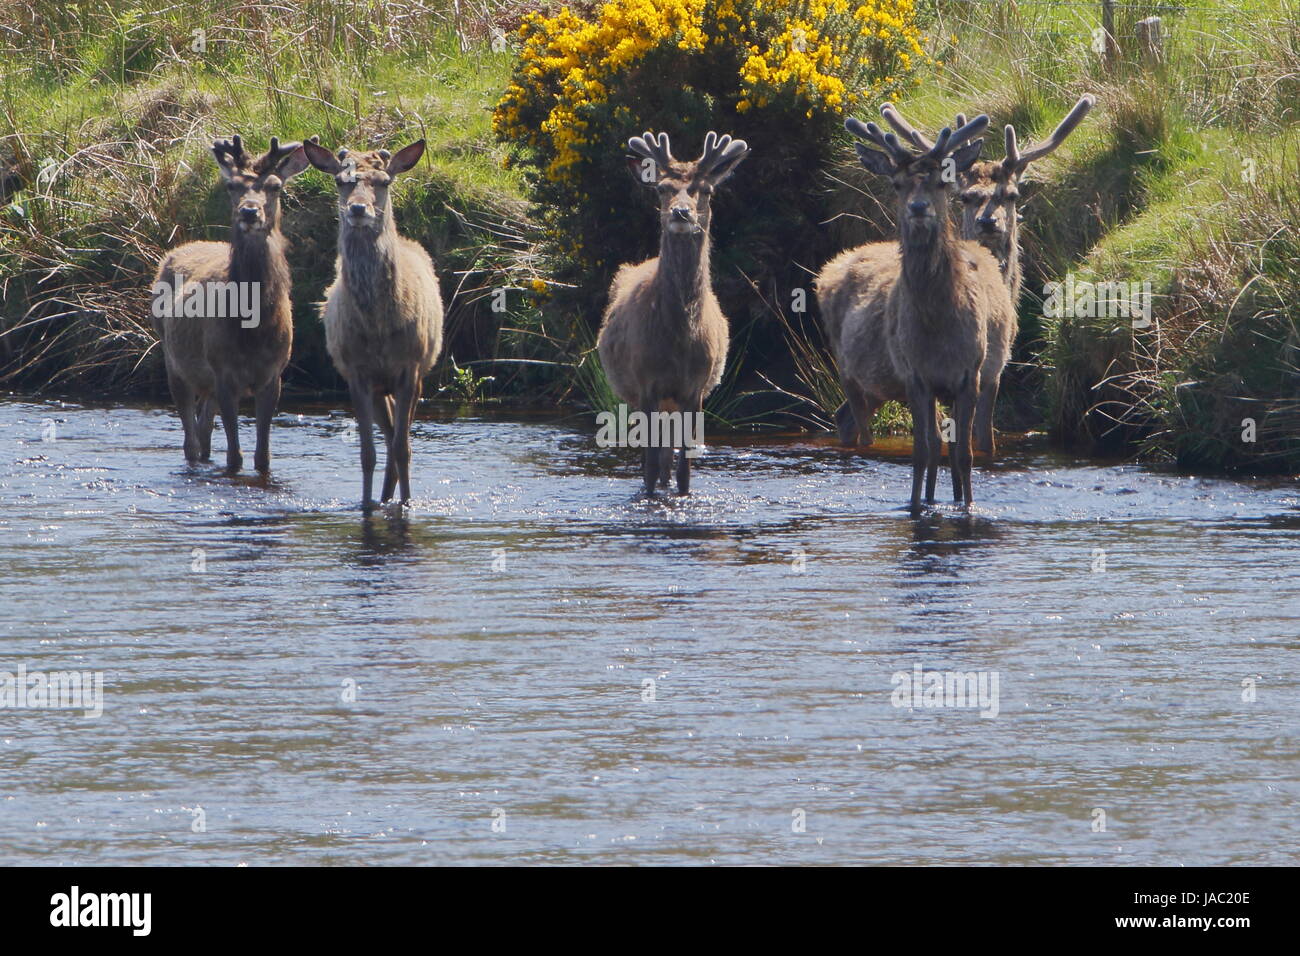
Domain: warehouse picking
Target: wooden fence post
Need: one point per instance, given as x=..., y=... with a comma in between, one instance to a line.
x=1151, y=40
x=1111, y=55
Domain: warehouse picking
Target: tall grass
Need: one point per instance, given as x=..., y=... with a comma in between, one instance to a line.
x=107, y=110
x=106, y=116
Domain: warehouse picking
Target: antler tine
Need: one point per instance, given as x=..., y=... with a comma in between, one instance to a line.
x=895, y=119
x=655, y=149
x=949, y=140
x=710, y=147
x=666, y=149
x=960, y=121
x=873, y=133
x=718, y=149
x=233, y=147
x=1063, y=129
x=276, y=154
x=1013, y=153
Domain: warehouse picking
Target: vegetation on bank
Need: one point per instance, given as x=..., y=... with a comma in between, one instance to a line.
x=1187, y=176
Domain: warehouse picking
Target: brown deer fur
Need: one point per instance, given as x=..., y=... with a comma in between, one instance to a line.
x=989, y=193
x=663, y=342
x=935, y=301
x=213, y=361
x=383, y=312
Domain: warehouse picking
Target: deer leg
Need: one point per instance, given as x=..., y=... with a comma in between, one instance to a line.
x=404, y=398
x=853, y=419
x=653, y=460
x=921, y=401
x=934, y=448
x=984, y=440
x=865, y=415
x=417, y=389
x=384, y=415
x=964, y=413
x=683, y=460
x=265, y=404
x=183, y=395
x=363, y=408
x=206, y=414
x=846, y=425
x=228, y=402
x=957, y=490
x=683, y=472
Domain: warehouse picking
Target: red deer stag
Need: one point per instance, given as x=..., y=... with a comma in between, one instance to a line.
x=227, y=325
x=989, y=192
x=918, y=318
x=663, y=342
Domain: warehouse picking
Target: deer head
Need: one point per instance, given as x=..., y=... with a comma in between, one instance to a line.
x=991, y=190
x=923, y=179
x=685, y=190
x=254, y=184
x=363, y=180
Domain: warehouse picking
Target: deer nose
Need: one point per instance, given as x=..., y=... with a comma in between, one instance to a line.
x=987, y=223
x=681, y=213
x=918, y=207
x=249, y=213
x=357, y=209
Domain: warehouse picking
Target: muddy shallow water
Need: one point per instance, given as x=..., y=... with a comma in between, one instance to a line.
x=285, y=681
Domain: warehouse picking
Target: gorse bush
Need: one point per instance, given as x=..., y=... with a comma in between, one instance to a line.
x=777, y=73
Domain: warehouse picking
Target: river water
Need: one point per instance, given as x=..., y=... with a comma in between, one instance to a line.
x=535, y=664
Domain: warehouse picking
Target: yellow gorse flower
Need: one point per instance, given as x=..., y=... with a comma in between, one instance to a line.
x=809, y=55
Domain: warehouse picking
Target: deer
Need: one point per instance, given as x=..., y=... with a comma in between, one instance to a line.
x=217, y=356
x=383, y=312
x=921, y=318
x=663, y=339
x=989, y=192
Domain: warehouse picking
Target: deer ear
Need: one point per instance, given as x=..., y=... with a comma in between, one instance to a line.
x=292, y=164
x=643, y=169
x=874, y=160
x=965, y=157
x=405, y=158
x=321, y=158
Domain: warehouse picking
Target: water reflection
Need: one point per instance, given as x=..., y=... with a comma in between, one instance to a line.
x=500, y=633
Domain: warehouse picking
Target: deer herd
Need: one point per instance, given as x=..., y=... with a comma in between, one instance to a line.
x=928, y=318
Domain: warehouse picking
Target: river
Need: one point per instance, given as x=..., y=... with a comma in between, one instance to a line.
x=534, y=664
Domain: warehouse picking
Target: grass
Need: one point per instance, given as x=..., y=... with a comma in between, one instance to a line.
x=104, y=152
x=106, y=114
x=1150, y=188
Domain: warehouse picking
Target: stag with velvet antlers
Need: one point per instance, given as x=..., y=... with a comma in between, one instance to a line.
x=663, y=342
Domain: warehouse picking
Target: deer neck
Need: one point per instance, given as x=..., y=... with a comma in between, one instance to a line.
x=260, y=258
x=369, y=261
x=1010, y=258
x=683, y=275
x=930, y=268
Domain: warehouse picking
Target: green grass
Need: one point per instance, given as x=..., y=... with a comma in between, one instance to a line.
x=122, y=128
x=106, y=118
x=1149, y=188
